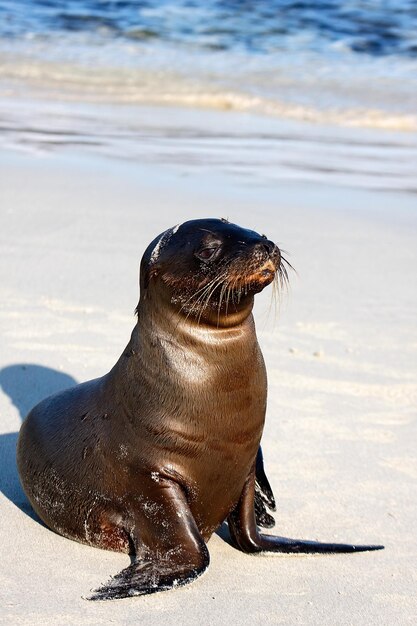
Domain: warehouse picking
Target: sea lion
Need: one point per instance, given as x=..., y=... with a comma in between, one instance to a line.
x=151, y=458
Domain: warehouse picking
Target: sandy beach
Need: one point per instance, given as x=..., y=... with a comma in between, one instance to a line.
x=340, y=348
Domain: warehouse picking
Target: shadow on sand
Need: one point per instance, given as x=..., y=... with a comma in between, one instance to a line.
x=26, y=385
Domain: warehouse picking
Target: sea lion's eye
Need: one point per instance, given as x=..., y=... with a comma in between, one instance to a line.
x=205, y=254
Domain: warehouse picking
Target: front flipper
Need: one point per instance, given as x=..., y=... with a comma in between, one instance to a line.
x=264, y=498
x=246, y=536
x=145, y=577
x=169, y=550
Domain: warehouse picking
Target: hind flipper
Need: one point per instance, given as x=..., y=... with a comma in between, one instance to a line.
x=246, y=536
x=264, y=498
x=263, y=518
x=169, y=550
x=262, y=486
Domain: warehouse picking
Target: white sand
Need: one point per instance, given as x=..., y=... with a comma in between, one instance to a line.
x=341, y=435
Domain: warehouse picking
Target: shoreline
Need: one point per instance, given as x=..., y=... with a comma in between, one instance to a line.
x=252, y=149
x=324, y=84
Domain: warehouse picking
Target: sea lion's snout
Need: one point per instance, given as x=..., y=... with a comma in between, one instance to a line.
x=266, y=245
x=268, y=251
x=263, y=261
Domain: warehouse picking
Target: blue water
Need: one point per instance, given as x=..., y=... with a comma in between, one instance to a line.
x=315, y=86
x=372, y=27
x=344, y=62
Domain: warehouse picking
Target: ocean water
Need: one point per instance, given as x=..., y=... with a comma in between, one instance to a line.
x=270, y=92
x=351, y=63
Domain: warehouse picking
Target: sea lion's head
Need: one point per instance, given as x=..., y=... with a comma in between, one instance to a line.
x=210, y=269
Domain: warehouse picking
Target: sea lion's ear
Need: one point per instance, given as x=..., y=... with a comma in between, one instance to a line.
x=152, y=272
x=148, y=271
x=150, y=260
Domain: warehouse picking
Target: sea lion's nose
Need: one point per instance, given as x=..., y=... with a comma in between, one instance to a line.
x=266, y=246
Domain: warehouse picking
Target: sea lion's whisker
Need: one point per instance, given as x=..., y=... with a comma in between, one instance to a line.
x=222, y=292
x=202, y=293
x=196, y=303
x=208, y=298
x=273, y=302
x=239, y=288
x=201, y=289
x=234, y=288
x=227, y=299
x=205, y=298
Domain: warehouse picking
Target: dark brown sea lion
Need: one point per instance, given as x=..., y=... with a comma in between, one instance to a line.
x=151, y=458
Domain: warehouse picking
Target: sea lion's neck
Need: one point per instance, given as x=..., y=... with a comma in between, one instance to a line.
x=184, y=359
x=168, y=324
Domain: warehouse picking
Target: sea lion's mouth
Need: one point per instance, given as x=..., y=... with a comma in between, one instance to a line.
x=264, y=275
